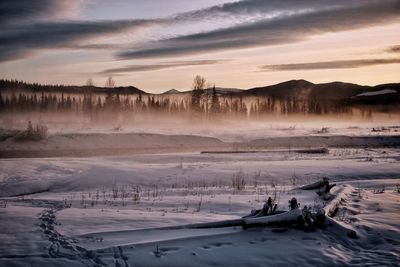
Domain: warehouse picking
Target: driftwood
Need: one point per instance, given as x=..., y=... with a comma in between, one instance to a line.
x=257, y=213
x=281, y=218
x=313, y=186
x=299, y=218
x=324, y=185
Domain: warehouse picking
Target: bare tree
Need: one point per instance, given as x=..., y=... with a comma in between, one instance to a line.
x=110, y=82
x=89, y=82
x=199, y=84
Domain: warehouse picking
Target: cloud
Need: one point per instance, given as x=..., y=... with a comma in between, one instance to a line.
x=21, y=42
x=393, y=49
x=32, y=26
x=338, y=64
x=160, y=66
x=27, y=27
x=264, y=8
x=283, y=29
x=98, y=46
x=13, y=11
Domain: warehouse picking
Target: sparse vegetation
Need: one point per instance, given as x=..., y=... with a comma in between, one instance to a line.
x=200, y=203
x=115, y=190
x=256, y=179
x=157, y=252
x=323, y=130
x=136, y=194
x=359, y=191
x=342, y=215
x=379, y=190
x=239, y=181
x=3, y=203
x=32, y=133
x=294, y=179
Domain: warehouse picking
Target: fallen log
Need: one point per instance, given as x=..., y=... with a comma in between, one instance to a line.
x=291, y=216
x=313, y=186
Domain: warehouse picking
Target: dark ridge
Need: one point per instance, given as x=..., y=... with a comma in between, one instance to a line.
x=294, y=89
x=14, y=85
x=171, y=91
x=281, y=90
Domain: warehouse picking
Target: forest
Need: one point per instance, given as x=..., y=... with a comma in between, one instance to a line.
x=100, y=104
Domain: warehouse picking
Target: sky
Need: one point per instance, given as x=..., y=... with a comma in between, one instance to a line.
x=157, y=45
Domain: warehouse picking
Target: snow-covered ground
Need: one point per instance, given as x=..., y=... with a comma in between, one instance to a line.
x=106, y=144
x=140, y=209
x=380, y=92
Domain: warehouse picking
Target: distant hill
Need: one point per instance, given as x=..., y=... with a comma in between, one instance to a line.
x=226, y=91
x=300, y=89
x=381, y=94
x=328, y=91
x=11, y=85
x=306, y=89
x=282, y=90
x=171, y=92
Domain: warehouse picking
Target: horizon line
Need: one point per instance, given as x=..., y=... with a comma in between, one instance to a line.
x=183, y=90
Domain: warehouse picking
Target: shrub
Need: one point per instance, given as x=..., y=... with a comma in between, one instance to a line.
x=380, y=190
x=37, y=133
x=3, y=203
x=238, y=181
x=323, y=130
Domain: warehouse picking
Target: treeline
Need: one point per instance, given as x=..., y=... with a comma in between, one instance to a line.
x=89, y=87
x=199, y=105
x=90, y=104
x=201, y=102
